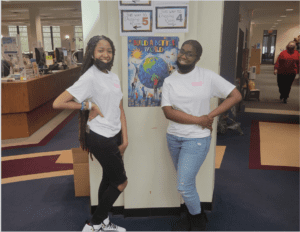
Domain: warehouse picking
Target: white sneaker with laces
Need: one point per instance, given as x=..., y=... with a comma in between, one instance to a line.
x=111, y=227
x=87, y=227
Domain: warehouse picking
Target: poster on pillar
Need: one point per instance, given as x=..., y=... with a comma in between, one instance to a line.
x=150, y=61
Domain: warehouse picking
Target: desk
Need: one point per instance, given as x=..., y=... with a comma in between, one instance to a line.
x=27, y=105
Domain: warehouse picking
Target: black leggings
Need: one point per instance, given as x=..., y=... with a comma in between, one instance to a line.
x=106, y=151
x=285, y=82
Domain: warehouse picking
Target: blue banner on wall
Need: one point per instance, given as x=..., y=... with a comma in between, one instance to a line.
x=150, y=61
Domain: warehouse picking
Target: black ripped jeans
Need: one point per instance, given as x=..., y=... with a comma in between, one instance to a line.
x=106, y=151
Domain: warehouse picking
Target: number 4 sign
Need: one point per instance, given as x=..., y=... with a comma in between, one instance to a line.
x=171, y=18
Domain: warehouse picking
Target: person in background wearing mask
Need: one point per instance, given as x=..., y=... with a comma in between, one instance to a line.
x=286, y=68
x=105, y=118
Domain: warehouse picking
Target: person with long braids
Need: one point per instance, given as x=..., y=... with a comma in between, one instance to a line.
x=103, y=130
x=186, y=103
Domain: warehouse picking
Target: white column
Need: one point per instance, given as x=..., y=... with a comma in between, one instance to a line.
x=4, y=31
x=209, y=35
x=35, y=34
x=91, y=22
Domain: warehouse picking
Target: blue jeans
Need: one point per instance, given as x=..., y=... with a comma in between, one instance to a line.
x=188, y=154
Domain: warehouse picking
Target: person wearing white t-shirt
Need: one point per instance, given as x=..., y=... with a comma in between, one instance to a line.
x=103, y=130
x=186, y=103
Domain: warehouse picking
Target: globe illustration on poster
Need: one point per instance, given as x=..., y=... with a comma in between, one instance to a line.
x=153, y=68
x=150, y=61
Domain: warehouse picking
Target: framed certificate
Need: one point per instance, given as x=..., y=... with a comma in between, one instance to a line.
x=134, y=3
x=171, y=18
x=136, y=21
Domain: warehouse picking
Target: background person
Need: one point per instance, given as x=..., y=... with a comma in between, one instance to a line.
x=6, y=66
x=286, y=68
x=103, y=87
x=186, y=103
x=297, y=40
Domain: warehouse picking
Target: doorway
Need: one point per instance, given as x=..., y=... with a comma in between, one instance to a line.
x=239, y=67
x=268, y=48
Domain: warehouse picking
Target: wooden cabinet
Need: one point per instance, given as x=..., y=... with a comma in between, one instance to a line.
x=255, y=59
x=27, y=105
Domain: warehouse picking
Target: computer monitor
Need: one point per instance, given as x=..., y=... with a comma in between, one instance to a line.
x=40, y=56
x=65, y=51
x=59, y=54
x=79, y=55
x=51, y=53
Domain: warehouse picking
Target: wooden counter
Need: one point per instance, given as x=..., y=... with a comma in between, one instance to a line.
x=27, y=105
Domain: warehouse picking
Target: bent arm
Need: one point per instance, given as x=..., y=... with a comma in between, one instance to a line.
x=233, y=98
x=184, y=118
x=66, y=101
x=179, y=116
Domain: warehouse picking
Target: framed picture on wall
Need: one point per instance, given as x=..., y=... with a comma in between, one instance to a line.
x=134, y=22
x=134, y=3
x=171, y=18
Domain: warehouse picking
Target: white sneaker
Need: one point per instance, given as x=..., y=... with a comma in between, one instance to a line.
x=111, y=227
x=87, y=227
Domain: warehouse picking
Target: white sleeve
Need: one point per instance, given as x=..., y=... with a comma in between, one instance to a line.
x=221, y=88
x=81, y=89
x=165, y=97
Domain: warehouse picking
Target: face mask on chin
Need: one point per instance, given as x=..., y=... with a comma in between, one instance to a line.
x=103, y=67
x=185, y=68
x=290, y=49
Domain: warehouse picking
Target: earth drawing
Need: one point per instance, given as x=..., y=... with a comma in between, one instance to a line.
x=151, y=68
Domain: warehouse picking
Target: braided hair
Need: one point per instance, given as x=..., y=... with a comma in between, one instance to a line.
x=88, y=61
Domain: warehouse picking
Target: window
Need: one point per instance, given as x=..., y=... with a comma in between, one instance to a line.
x=78, y=37
x=56, y=37
x=13, y=32
x=51, y=35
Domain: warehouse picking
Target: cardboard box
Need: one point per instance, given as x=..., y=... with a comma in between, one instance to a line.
x=81, y=172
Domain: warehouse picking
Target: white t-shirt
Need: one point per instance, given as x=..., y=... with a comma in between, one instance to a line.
x=191, y=93
x=105, y=91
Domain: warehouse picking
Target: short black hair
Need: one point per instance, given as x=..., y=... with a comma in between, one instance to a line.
x=196, y=45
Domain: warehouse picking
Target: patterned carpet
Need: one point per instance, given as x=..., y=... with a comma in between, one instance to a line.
x=274, y=146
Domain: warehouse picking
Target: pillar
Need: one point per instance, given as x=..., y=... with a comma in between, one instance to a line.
x=35, y=34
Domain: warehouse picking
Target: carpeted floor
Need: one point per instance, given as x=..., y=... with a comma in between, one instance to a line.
x=274, y=146
x=266, y=82
x=244, y=199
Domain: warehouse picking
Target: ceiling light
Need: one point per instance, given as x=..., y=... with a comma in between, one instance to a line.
x=283, y=16
x=19, y=10
x=275, y=23
x=279, y=20
x=289, y=9
x=61, y=8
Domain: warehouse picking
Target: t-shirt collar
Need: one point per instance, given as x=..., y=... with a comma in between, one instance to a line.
x=187, y=74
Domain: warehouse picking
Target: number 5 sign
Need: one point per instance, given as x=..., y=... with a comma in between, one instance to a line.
x=171, y=18
x=136, y=21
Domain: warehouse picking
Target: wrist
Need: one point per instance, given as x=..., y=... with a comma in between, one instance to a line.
x=210, y=116
x=83, y=106
x=200, y=120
